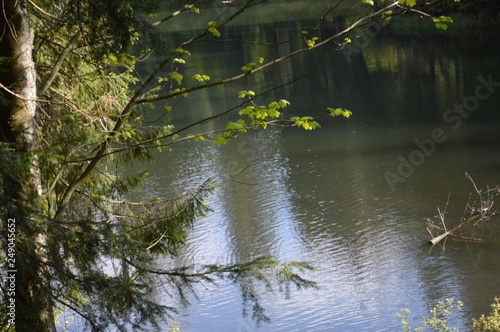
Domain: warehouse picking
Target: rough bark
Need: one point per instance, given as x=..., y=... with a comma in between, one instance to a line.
x=21, y=181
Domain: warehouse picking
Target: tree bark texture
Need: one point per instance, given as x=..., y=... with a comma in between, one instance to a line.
x=21, y=179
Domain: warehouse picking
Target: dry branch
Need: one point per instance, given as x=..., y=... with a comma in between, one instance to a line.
x=481, y=213
x=438, y=238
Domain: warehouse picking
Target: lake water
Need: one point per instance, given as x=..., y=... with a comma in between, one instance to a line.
x=350, y=198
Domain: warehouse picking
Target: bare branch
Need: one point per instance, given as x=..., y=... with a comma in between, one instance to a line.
x=57, y=66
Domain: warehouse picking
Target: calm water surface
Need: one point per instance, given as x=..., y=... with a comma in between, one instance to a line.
x=324, y=196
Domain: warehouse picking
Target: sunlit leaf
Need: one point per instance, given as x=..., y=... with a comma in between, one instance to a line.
x=176, y=76
x=284, y=103
x=339, y=111
x=214, y=32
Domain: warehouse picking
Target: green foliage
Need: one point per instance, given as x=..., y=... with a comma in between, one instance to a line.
x=181, y=51
x=243, y=94
x=441, y=22
x=339, y=111
x=387, y=15
x=252, y=65
x=311, y=42
x=232, y=129
x=201, y=78
x=441, y=314
x=119, y=59
x=192, y=8
x=177, y=77
x=305, y=122
x=93, y=122
x=213, y=30
x=409, y=3
x=489, y=323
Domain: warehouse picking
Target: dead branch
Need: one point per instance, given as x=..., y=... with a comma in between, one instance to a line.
x=480, y=210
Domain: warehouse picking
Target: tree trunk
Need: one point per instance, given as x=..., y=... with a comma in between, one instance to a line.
x=20, y=175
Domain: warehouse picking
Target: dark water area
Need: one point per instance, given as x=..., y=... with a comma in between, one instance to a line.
x=352, y=197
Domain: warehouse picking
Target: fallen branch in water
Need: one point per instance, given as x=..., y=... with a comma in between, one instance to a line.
x=481, y=213
x=438, y=238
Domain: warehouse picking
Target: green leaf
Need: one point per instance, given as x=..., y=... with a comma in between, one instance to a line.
x=284, y=103
x=442, y=26
x=180, y=51
x=441, y=22
x=252, y=65
x=409, y=3
x=249, y=66
x=274, y=105
x=197, y=137
x=214, y=32
x=240, y=126
x=246, y=110
x=201, y=78
x=305, y=122
x=339, y=111
x=243, y=94
x=220, y=139
x=368, y=2
x=179, y=90
x=192, y=8
x=386, y=16
x=176, y=76
x=212, y=29
x=112, y=58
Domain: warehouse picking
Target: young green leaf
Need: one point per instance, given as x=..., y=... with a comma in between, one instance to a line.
x=409, y=3
x=180, y=51
x=243, y=94
x=339, y=111
x=201, y=78
x=212, y=29
x=176, y=76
